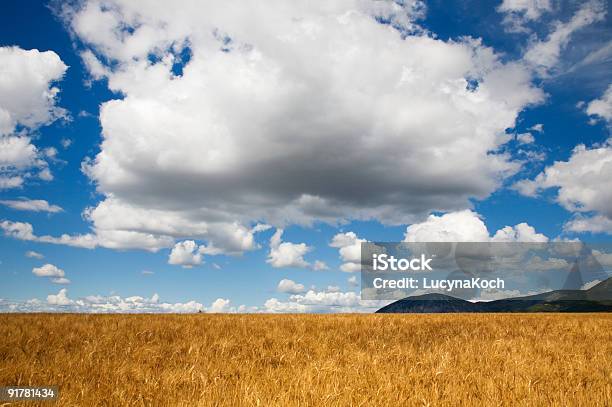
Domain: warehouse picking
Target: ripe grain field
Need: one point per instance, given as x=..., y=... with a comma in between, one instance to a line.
x=311, y=360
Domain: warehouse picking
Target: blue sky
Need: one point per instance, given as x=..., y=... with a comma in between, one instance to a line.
x=293, y=143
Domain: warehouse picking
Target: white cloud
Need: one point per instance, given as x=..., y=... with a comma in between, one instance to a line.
x=8, y=182
x=273, y=305
x=352, y=281
x=115, y=239
x=525, y=138
x=320, y=265
x=539, y=127
x=50, y=152
x=349, y=246
x=519, y=233
x=48, y=270
x=94, y=66
x=323, y=301
x=267, y=122
x=520, y=12
x=290, y=286
x=34, y=255
x=462, y=226
x=114, y=304
x=220, y=305
x=27, y=99
x=583, y=224
x=467, y=226
x=186, y=254
x=544, y=55
x=584, y=185
x=121, y=225
x=16, y=152
x=602, y=107
x=286, y=254
x=61, y=298
x=35, y=205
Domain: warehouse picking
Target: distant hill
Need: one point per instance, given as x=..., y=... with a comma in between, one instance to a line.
x=595, y=299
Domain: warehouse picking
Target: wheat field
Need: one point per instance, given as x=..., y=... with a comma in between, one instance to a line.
x=311, y=360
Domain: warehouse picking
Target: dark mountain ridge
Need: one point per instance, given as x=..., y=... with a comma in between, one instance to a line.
x=596, y=299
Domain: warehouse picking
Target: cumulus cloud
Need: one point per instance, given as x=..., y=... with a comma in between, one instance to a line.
x=467, y=226
x=56, y=274
x=290, y=286
x=116, y=239
x=352, y=281
x=323, y=301
x=584, y=185
x=602, y=107
x=319, y=265
x=27, y=102
x=220, y=305
x=525, y=138
x=48, y=270
x=35, y=205
x=286, y=254
x=186, y=254
x=307, y=119
x=61, y=302
x=349, y=246
x=519, y=233
x=461, y=226
x=61, y=298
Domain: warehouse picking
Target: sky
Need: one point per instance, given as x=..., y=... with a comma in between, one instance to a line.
x=232, y=156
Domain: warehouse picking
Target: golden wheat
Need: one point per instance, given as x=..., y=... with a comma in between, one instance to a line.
x=312, y=360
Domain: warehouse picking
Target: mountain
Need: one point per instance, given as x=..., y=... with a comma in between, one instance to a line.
x=595, y=299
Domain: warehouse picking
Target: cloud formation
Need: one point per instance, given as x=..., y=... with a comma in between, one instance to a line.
x=467, y=226
x=323, y=302
x=56, y=274
x=584, y=187
x=48, y=270
x=544, y=55
x=349, y=247
x=34, y=255
x=186, y=254
x=286, y=254
x=518, y=13
x=290, y=286
x=27, y=102
x=318, y=116
x=61, y=302
x=602, y=107
x=34, y=205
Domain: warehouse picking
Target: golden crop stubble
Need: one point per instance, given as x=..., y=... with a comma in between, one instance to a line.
x=452, y=359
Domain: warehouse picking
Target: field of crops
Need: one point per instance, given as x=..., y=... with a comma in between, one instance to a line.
x=308, y=360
